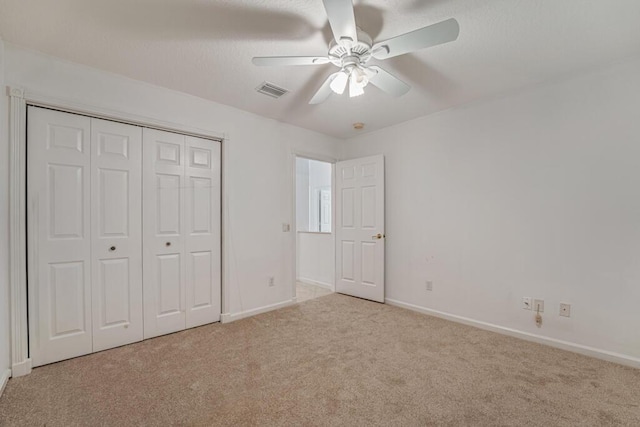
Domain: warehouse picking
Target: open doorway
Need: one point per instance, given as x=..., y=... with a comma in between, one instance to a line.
x=315, y=260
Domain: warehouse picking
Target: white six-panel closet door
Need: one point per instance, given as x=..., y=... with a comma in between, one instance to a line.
x=116, y=213
x=181, y=227
x=59, y=164
x=203, y=240
x=163, y=232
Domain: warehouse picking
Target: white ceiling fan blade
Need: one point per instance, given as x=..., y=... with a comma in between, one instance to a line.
x=342, y=20
x=325, y=90
x=386, y=81
x=442, y=32
x=289, y=60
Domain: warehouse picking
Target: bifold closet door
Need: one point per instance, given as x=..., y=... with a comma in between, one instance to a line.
x=203, y=238
x=85, y=275
x=163, y=231
x=88, y=186
x=116, y=214
x=181, y=251
x=58, y=194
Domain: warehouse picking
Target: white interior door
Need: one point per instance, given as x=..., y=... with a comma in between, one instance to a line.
x=58, y=189
x=360, y=228
x=116, y=213
x=203, y=239
x=164, y=269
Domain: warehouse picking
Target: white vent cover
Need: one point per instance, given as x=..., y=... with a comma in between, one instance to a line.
x=271, y=90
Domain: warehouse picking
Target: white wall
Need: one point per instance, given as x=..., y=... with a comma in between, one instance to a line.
x=257, y=169
x=315, y=258
x=5, y=356
x=537, y=194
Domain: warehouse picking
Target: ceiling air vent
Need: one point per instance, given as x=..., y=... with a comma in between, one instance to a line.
x=271, y=90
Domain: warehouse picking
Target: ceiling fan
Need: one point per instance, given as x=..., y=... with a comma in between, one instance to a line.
x=352, y=48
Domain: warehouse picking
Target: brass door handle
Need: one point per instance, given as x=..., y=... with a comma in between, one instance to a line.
x=378, y=236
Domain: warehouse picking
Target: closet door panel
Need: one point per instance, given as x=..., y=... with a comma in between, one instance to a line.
x=58, y=194
x=163, y=229
x=116, y=215
x=203, y=239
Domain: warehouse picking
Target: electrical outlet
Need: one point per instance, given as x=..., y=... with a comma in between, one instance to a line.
x=565, y=310
x=526, y=303
x=429, y=285
x=272, y=281
x=538, y=305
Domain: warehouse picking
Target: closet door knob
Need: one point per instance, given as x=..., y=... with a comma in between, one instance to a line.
x=112, y=248
x=168, y=244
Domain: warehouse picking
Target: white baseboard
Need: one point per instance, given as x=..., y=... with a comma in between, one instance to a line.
x=4, y=378
x=561, y=344
x=20, y=369
x=315, y=283
x=230, y=317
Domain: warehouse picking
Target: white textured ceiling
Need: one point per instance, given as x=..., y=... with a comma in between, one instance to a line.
x=204, y=47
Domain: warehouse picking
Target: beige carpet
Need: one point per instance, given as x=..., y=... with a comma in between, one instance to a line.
x=333, y=360
x=306, y=291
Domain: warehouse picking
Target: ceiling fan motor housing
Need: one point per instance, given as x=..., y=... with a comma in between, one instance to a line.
x=344, y=54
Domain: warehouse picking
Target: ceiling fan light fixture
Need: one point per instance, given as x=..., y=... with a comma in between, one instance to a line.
x=360, y=76
x=339, y=82
x=355, y=88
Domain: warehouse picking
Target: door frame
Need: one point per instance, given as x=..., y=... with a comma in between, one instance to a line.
x=295, y=154
x=19, y=99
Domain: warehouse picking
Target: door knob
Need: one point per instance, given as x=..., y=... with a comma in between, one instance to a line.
x=378, y=236
x=112, y=248
x=168, y=244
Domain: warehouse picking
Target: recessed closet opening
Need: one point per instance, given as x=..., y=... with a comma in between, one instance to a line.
x=315, y=259
x=123, y=233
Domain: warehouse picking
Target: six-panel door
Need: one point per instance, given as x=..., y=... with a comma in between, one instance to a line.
x=360, y=227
